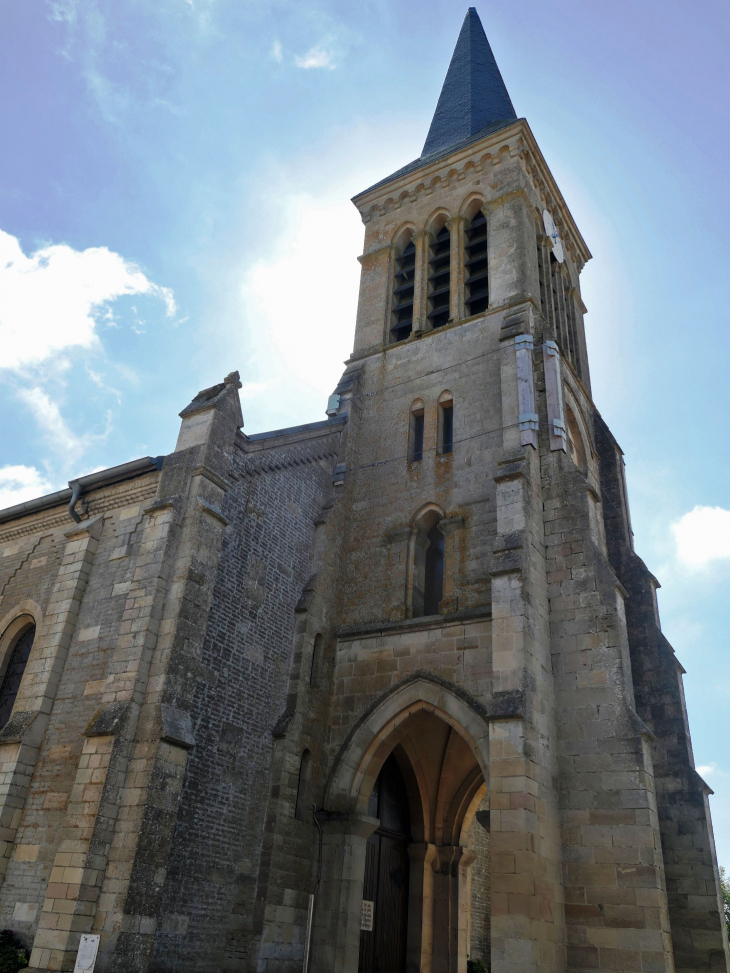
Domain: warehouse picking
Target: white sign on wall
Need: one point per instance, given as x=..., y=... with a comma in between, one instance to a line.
x=366, y=916
x=86, y=956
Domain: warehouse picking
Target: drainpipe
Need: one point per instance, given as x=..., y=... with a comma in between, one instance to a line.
x=312, y=895
x=106, y=477
x=75, y=494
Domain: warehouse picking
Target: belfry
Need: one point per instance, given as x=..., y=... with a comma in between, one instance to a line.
x=385, y=693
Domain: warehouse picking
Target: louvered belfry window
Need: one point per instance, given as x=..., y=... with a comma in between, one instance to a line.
x=439, y=278
x=557, y=302
x=403, y=283
x=476, y=265
x=14, y=674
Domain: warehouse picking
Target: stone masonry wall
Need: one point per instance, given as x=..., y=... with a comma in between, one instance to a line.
x=273, y=503
x=29, y=576
x=692, y=883
x=481, y=899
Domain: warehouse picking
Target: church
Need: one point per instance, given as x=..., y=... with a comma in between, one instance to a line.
x=385, y=693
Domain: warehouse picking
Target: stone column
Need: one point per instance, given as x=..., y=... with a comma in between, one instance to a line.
x=420, y=907
x=451, y=909
x=338, y=906
x=457, y=228
x=420, y=289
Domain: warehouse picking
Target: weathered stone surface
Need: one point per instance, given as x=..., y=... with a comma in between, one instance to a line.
x=228, y=649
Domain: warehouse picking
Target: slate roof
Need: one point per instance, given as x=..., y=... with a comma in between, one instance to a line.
x=473, y=102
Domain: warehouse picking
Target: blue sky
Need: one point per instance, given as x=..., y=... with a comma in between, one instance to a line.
x=174, y=204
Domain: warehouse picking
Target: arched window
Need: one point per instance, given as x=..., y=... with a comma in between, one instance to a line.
x=446, y=423
x=576, y=447
x=415, y=432
x=403, y=284
x=316, y=673
x=476, y=265
x=439, y=278
x=305, y=766
x=428, y=566
x=14, y=673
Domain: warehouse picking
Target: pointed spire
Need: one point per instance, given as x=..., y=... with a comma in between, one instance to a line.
x=474, y=94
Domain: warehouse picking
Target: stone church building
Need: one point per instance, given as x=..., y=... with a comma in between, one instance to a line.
x=376, y=694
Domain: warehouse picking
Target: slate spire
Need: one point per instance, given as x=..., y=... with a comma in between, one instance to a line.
x=474, y=94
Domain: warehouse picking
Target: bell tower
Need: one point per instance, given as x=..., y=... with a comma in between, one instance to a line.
x=486, y=641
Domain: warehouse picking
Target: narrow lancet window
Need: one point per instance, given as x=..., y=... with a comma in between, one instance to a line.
x=557, y=301
x=446, y=424
x=415, y=438
x=428, y=565
x=476, y=265
x=300, y=812
x=576, y=447
x=439, y=278
x=403, y=284
x=14, y=673
x=433, y=589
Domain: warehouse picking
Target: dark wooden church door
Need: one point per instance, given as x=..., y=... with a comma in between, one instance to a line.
x=383, y=950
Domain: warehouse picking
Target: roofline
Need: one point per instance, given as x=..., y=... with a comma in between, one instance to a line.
x=115, y=474
x=406, y=175
x=292, y=430
x=436, y=157
x=555, y=189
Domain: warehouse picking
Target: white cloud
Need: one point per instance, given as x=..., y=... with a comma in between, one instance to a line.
x=55, y=429
x=21, y=483
x=702, y=536
x=711, y=770
x=316, y=57
x=302, y=299
x=52, y=299
x=277, y=52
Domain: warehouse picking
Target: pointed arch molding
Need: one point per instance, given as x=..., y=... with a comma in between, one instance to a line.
x=375, y=733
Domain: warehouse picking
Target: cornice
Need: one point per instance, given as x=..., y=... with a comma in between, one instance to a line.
x=421, y=181
x=119, y=495
x=515, y=141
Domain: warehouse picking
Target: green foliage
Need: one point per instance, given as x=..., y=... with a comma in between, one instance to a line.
x=12, y=955
x=475, y=966
x=725, y=886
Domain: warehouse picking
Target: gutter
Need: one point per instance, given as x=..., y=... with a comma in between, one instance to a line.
x=76, y=488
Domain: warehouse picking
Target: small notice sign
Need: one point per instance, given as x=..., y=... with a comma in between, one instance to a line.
x=366, y=917
x=86, y=956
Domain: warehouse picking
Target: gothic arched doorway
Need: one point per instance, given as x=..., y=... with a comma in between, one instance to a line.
x=383, y=949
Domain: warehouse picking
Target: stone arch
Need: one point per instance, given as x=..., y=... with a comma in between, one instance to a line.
x=403, y=235
x=471, y=205
x=17, y=637
x=437, y=220
x=425, y=536
x=574, y=416
x=376, y=734
x=439, y=736
x=431, y=511
x=12, y=625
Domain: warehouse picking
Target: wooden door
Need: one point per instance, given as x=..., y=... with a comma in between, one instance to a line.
x=383, y=950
